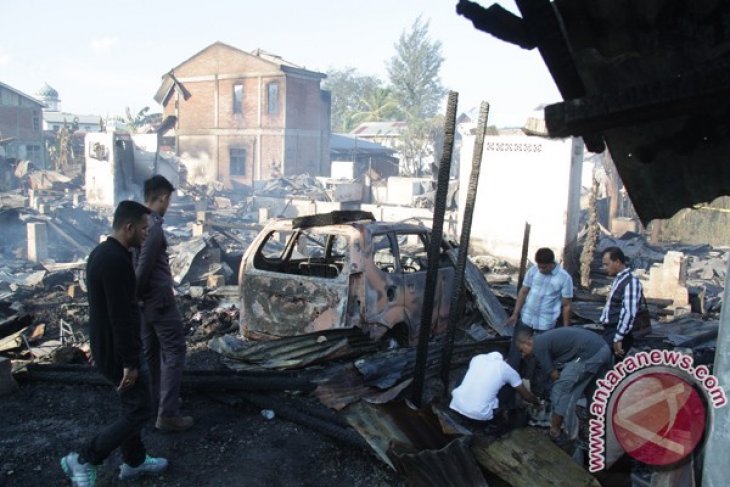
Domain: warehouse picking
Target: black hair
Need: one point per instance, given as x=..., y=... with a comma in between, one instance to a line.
x=128, y=212
x=155, y=187
x=544, y=256
x=523, y=335
x=614, y=253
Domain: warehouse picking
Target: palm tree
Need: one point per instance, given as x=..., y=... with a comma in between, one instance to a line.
x=378, y=105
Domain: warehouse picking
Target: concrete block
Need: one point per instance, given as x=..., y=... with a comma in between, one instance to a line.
x=200, y=216
x=198, y=229
x=197, y=291
x=7, y=383
x=667, y=280
x=37, y=241
x=342, y=170
x=402, y=190
x=214, y=282
x=263, y=215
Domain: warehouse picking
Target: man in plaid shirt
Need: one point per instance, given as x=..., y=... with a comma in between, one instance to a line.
x=622, y=303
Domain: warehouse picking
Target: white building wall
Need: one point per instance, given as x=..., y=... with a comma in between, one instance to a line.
x=523, y=179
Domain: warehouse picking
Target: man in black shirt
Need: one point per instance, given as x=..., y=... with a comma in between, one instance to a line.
x=114, y=324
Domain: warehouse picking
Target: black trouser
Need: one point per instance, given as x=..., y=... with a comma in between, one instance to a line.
x=164, y=351
x=125, y=432
x=609, y=333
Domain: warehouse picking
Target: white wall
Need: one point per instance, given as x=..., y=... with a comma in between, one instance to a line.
x=523, y=179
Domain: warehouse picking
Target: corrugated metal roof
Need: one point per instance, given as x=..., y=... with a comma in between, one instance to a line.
x=379, y=129
x=343, y=142
x=61, y=117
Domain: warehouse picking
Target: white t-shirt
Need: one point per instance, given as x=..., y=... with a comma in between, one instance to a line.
x=476, y=397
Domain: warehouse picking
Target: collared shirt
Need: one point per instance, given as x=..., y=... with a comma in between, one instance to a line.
x=544, y=300
x=622, y=303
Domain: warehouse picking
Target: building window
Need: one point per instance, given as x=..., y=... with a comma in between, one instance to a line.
x=33, y=153
x=238, y=162
x=238, y=98
x=272, y=100
x=36, y=122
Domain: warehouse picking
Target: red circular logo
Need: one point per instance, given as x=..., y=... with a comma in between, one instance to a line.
x=659, y=418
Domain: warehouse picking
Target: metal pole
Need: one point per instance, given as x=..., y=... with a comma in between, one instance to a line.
x=457, y=297
x=434, y=250
x=716, y=468
x=523, y=260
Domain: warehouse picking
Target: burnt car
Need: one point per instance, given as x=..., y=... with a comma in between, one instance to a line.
x=340, y=270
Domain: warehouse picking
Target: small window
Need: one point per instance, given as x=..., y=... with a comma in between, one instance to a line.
x=383, y=254
x=238, y=98
x=413, y=252
x=36, y=122
x=238, y=162
x=33, y=153
x=272, y=101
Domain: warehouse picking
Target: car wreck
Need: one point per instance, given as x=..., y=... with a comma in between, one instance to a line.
x=340, y=270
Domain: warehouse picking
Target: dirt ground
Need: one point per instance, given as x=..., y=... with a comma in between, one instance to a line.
x=42, y=422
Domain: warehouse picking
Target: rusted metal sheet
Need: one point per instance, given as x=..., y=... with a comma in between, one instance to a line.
x=295, y=352
x=385, y=424
x=452, y=466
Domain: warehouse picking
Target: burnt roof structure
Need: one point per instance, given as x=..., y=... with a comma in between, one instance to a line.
x=648, y=78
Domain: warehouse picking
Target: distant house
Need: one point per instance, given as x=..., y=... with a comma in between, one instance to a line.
x=54, y=118
x=21, y=121
x=367, y=157
x=244, y=117
x=383, y=133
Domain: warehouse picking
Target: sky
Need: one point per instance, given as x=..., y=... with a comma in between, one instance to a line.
x=105, y=56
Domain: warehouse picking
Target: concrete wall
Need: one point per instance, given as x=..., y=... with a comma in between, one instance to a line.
x=523, y=179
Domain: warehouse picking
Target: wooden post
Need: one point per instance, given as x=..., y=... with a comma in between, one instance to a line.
x=523, y=259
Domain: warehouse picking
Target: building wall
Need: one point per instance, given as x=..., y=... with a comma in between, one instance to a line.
x=22, y=118
x=523, y=179
x=208, y=127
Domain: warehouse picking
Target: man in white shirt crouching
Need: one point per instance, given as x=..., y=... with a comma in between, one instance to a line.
x=476, y=397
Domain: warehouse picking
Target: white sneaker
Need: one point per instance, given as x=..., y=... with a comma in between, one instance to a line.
x=150, y=466
x=81, y=474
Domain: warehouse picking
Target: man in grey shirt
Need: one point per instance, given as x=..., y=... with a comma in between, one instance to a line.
x=573, y=357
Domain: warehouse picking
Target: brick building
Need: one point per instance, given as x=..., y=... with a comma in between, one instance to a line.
x=21, y=121
x=243, y=117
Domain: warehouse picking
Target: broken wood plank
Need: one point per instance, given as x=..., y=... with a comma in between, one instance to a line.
x=527, y=457
x=13, y=323
x=487, y=303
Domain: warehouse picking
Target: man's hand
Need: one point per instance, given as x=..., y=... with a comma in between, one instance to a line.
x=511, y=321
x=128, y=379
x=555, y=375
x=618, y=348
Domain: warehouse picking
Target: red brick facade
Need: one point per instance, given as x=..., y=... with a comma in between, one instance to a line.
x=21, y=118
x=249, y=117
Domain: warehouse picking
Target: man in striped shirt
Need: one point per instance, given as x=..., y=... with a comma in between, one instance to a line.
x=622, y=303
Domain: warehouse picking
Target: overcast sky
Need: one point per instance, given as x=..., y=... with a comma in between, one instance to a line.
x=104, y=56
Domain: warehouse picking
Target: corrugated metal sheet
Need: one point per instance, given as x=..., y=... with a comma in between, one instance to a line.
x=453, y=466
x=297, y=351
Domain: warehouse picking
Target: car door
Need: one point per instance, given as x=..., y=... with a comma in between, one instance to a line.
x=289, y=287
x=413, y=259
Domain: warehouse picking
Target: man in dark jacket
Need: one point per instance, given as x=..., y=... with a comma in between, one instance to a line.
x=163, y=334
x=114, y=324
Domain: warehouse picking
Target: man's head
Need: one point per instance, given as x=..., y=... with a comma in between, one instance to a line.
x=524, y=341
x=614, y=260
x=131, y=220
x=157, y=193
x=545, y=259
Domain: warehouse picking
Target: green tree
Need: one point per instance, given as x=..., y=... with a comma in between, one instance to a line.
x=348, y=89
x=414, y=72
x=376, y=105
